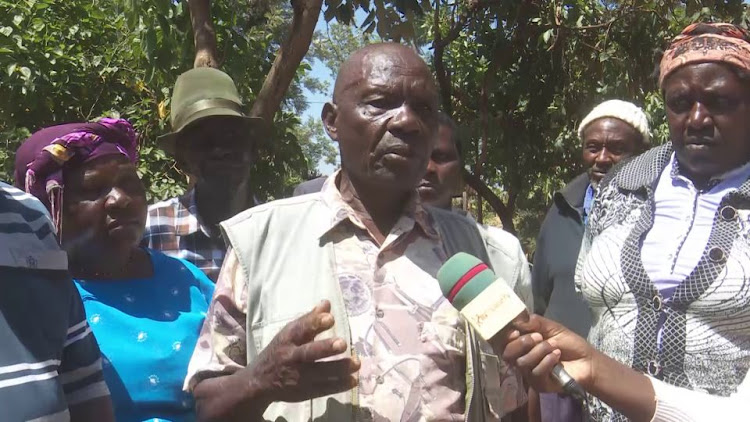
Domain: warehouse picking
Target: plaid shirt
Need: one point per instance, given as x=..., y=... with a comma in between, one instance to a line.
x=173, y=227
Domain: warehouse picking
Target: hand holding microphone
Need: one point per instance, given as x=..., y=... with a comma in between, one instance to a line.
x=538, y=347
x=491, y=307
x=544, y=345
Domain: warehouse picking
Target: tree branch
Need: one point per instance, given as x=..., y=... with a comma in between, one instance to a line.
x=288, y=58
x=460, y=23
x=443, y=79
x=484, y=191
x=204, y=35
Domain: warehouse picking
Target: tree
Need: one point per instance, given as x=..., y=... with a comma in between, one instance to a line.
x=68, y=60
x=334, y=45
x=71, y=61
x=519, y=75
x=316, y=146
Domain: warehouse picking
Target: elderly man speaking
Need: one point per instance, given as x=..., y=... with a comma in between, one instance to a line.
x=327, y=307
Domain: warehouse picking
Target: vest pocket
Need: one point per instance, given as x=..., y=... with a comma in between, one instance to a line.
x=502, y=388
x=262, y=333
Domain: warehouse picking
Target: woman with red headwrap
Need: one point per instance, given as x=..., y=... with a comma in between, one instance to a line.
x=665, y=260
x=145, y=309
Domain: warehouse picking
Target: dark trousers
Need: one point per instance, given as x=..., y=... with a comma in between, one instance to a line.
x=560, y=408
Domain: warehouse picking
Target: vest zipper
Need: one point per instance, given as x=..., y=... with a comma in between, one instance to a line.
x=469, y=361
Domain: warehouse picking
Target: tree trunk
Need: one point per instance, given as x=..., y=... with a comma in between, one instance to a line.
x=204, y=35
x=484, y=191
x=443, y=77
x=484, y=115
x=288, y=58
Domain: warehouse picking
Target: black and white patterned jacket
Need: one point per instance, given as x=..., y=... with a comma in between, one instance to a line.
x=706, y=324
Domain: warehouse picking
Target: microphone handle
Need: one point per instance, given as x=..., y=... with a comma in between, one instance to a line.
x=563, y=379
x=568, y=384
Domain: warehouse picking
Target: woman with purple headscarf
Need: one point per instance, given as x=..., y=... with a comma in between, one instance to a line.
x=145, y=309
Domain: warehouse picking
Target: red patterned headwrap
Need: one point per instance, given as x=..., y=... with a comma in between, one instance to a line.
x=707, y=42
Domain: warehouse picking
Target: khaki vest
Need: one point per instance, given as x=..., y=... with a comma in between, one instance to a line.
x=286, y=280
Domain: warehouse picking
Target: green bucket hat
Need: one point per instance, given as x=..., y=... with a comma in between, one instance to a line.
x=205, y=92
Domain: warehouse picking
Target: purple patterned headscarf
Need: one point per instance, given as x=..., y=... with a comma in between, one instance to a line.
x=41, y=159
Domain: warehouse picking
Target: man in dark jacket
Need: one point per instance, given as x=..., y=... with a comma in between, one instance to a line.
x=310, y=186
x=613, y=131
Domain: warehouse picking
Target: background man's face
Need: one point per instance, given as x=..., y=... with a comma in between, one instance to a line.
x=385, y=119
x=217, y=149
x=606, y=142
x=442, y=180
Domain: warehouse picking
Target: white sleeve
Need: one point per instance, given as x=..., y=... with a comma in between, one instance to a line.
x=509, y=262
x=675, y=404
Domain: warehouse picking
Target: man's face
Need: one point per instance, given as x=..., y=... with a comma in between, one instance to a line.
x=384, y=119
x=441, y=182
x=606, y=142
x=217, y=149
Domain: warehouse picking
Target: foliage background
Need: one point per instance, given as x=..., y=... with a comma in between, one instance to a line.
x=72, y=60
x=517, y=75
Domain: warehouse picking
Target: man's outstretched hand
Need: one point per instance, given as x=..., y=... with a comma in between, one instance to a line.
x=288, y=368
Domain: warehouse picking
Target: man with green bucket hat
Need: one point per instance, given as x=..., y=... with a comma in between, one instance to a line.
x=215, y=143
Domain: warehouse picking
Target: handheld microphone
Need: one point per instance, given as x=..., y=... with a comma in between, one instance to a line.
x=489, y=305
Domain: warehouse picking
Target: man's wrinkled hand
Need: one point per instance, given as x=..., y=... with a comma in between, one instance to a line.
x=288, y=369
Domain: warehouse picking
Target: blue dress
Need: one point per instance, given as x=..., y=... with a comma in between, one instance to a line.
x=147, y=329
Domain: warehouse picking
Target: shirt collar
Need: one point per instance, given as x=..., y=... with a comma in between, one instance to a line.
x=573, y=194
x=588, y=201
x=341, y=211
x=187, y=212
x=740, y=173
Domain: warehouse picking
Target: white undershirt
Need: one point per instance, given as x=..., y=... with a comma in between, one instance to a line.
x=683, y=218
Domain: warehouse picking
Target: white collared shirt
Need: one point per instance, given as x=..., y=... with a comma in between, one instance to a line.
x=683, y=218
